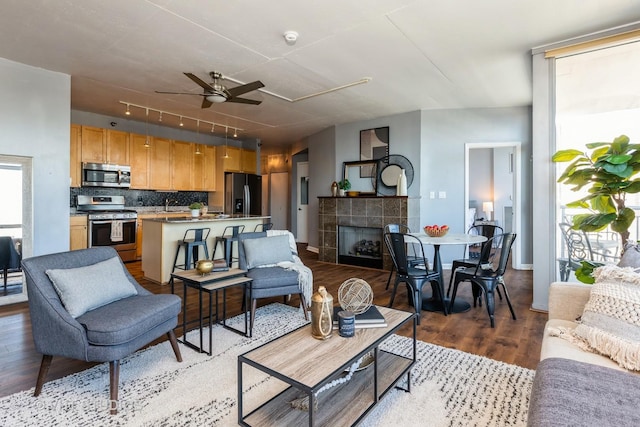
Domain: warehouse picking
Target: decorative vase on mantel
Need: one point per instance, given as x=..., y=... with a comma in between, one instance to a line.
x=401, y=188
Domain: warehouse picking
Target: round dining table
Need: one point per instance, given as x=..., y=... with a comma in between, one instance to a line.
x=432, y=303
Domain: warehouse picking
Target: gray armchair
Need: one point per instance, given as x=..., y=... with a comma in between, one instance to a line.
x=268, y=281
x=104, y=334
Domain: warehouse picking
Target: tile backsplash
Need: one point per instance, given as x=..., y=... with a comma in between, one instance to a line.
x=140, y=198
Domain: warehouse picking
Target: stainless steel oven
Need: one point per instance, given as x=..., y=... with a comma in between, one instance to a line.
x=109, y=224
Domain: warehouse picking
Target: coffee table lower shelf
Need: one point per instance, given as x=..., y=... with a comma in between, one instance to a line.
x=345, y=404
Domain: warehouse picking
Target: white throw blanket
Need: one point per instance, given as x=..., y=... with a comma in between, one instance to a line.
x=305, y=275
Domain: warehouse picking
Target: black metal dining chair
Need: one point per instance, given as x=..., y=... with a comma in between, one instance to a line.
x=9, y=258
x=473, y=252
x=485, y=279
x=414, y=275
x=399, y=228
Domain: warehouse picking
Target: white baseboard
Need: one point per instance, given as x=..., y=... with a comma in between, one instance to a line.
x=312, y=249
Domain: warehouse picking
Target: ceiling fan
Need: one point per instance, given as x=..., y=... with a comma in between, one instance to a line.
x=217, y=93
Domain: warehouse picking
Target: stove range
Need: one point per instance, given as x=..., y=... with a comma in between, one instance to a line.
x=105, y=207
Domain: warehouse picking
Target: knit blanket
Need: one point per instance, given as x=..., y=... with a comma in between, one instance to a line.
x=305, y=275
x=610, y=323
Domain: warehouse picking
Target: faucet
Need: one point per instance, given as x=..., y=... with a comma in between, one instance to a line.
x=167, y=202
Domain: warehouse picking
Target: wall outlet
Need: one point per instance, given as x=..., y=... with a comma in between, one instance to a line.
x=442, y=195
x=432, y=195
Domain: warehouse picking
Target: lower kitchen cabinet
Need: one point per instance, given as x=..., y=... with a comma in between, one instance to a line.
x=78, y=232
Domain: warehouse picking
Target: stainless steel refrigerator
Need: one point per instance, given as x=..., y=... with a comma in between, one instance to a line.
x=242, y=193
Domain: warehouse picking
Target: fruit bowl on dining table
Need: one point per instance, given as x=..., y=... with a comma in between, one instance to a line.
x=436, y=230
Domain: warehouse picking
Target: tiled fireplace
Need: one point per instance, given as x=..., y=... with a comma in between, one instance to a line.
x=366, y=216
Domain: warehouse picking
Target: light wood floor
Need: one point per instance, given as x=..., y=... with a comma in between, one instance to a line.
x=512, y=341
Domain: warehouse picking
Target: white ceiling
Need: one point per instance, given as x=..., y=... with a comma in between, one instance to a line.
x=419, y=54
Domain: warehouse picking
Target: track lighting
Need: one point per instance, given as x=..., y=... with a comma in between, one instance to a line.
x=146, y=126
x=198, y=137
x=161, y=114
x=226, y=152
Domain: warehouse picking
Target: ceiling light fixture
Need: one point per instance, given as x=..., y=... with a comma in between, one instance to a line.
x=197, y=137
x=235, y=133
x=146, y=140
x=226, y=153
x=181, y=124
x=216, y=98
x=127, y=113
x=162, y=113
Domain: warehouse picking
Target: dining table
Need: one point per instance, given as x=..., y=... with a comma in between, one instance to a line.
x=432, y=303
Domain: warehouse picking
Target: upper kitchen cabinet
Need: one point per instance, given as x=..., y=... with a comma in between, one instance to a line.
x=117, y=147
x=104, y=146
x=75, y=172
x=160, y=155
x=139, y=155
x=183, y=158
x=210, y=182
x=232, y=157
x=93, y=144
x=249, y=164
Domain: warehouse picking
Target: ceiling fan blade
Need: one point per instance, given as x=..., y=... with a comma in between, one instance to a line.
x=206, y=103
x=199, y=82
x=244, y=101
x=239, y=90
x=181, y=93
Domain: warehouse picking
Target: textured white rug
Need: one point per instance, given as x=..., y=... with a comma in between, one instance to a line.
x=449, y=387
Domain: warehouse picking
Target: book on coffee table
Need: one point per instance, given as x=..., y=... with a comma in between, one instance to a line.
x=372, y=318
x=220, y=265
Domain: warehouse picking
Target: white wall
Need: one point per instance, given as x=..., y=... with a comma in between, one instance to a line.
x=34, y=118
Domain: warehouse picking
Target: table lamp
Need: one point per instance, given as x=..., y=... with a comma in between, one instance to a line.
x=487, y=207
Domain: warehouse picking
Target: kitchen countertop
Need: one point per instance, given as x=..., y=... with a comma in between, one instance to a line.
x=207, y=217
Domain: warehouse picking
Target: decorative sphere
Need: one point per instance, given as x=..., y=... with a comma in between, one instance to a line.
x=355, y=295
x=204, y=266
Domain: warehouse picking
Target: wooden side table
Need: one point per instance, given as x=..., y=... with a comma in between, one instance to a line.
x=210, y=283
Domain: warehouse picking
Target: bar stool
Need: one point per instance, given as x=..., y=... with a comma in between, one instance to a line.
x=191, y=242
x=229, y=235
x=263, y=227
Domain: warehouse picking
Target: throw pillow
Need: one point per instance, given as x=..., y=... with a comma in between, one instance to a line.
x=86, y=288
x=630, y=256
x=610, y=323
x=267, y=251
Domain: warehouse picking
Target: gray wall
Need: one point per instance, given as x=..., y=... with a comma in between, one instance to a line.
x=322, y=172
x=34, y=118
x=480, y=178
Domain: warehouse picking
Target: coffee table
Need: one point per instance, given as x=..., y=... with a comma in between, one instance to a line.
x=210, y=283
x=306, y=364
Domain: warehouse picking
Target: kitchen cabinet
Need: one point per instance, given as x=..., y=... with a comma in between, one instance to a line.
x=78, y=232
x=182, y=165
x=93, y=141
x=75, y=172
x=209, y=172
x=248, y=158
x=117, y=147
x=139, y=161
x=233, y=161
x=160, y=155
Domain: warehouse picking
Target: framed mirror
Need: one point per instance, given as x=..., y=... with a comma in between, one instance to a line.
x=364, y=185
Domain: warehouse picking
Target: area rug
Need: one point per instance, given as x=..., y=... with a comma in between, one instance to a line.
x=448, y=387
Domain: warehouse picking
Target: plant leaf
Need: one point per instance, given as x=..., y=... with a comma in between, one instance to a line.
x=566, y=155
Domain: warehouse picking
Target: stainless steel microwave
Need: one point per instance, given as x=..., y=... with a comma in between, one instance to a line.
x=105, y=175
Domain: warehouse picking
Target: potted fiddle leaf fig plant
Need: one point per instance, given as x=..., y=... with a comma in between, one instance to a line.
x=609, y=172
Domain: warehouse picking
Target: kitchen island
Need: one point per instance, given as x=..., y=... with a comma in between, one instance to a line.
x=161, y=236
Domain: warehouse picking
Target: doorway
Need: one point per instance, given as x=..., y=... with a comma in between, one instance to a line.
x=500, y=202
x=16, y=219
x=302, y=191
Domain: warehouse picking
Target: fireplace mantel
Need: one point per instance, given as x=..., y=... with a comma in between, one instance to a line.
x=362, y=211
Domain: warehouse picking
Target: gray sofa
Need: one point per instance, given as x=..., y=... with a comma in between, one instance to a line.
x=574, y=387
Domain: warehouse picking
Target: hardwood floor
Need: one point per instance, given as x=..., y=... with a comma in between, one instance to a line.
x=512, y=341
